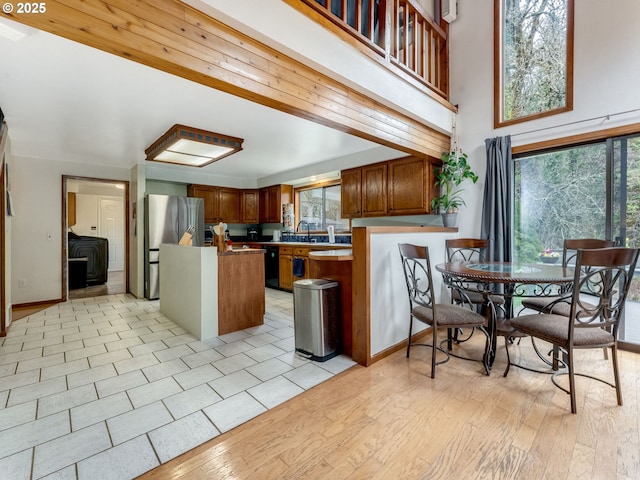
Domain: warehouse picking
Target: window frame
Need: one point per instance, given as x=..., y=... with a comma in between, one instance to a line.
x=498, y=68
x=607, y=136
x=312, y=186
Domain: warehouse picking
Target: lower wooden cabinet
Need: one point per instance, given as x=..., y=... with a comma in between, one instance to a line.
x=301, y=254
x=286, y=263
x=286, y=268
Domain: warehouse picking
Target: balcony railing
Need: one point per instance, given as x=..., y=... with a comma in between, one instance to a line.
x=400, y=31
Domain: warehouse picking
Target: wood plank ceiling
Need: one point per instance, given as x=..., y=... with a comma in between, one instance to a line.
x=175, y=38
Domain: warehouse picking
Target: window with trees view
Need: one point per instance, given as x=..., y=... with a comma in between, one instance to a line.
x=533, y=59
x=320, y=207
x=581, y=191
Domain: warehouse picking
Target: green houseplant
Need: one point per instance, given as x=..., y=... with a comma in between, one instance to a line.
x=454, y=170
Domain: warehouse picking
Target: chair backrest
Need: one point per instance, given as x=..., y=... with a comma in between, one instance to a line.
x=466, y=249
x=606, y=274
x=572, y=245
x=417, y=273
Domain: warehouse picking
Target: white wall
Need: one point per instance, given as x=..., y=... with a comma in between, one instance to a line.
x=7, y=253
x=137, y=189
x=36, y=249
x=606, y=72
x=86, y=215
x=389, y=305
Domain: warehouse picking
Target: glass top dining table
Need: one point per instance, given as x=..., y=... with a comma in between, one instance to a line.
x=509, y=280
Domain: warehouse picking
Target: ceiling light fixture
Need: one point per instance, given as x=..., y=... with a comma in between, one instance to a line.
x=11, y=30
x=192, y=147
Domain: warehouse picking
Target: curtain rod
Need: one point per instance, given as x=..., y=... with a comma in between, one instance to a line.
x=605, y=117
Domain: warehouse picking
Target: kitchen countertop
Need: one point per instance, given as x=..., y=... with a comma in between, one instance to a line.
x=332, y=255
x=302, y=244
x=242, y=251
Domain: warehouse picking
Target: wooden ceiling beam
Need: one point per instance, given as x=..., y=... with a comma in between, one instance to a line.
x=175, y=38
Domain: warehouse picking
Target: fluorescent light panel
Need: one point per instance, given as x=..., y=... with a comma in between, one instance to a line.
x=192, y=147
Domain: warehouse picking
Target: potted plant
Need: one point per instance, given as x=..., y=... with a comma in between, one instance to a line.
x=449, y=176
x=549, y=256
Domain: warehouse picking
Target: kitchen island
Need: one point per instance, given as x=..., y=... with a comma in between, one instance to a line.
x=241, y=302
x=211, y=293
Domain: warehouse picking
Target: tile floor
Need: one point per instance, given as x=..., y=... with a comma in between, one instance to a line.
x=107, y=387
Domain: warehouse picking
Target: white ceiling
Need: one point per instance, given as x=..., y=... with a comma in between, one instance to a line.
x=69, y=102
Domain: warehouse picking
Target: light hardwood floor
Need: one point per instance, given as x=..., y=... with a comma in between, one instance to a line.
x=392, y=421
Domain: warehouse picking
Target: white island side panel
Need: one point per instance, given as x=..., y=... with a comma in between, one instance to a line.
x=189, y=288
x=389, y=301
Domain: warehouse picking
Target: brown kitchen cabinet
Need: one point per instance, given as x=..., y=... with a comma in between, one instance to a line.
x=228, y=205
x=409, y=186
x=271, y=200
x=363, y=191
x=286, y=268
x=351, y=193
x=210, y=196
x=374, y=190
x=397, y=187
x=301, y=253
x=71, y=209
x=249, y=206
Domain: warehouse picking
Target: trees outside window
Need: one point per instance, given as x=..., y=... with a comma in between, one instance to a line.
x=533, y=59
x=320, y=207
x=559, y=195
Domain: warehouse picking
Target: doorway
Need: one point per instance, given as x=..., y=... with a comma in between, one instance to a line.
x=96, y=225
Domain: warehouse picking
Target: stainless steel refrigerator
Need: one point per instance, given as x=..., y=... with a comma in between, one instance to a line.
x=167, y=218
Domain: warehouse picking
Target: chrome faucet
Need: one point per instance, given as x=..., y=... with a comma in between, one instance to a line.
x=308, y=229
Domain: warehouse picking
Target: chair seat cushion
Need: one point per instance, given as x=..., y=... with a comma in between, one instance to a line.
x=476, y=297
x=449, y=316
x=555, y=329
x=542, y=304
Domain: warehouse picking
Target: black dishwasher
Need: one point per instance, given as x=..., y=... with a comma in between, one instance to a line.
x=271, y=267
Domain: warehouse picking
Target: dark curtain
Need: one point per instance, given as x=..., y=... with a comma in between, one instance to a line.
x=497, y=214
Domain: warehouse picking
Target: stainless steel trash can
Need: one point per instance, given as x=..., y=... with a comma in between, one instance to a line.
x=316, y=318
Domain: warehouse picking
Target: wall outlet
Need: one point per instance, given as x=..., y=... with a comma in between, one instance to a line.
x=22, y=283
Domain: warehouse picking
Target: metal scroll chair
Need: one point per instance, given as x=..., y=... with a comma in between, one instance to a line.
x=422, y=305
x=606, y=274
x=570, y=249
x=469, y=250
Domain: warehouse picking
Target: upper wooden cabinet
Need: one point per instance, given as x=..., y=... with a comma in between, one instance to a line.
x=229, y=205
x=210, y=196
x=351, y=193
x=397, y=187
x=250, y=200
x=410, y=186
x=222, y=204
x=374, y=190
x=271, y=200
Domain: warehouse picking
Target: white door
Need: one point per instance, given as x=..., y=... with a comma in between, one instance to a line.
x=111, y=211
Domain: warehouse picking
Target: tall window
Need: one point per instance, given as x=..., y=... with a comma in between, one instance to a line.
x=558, y=195
x=533, y=55
x=582, y=191
x=320, y=207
